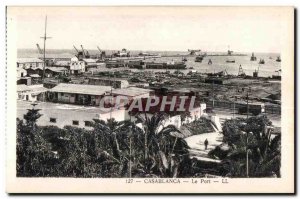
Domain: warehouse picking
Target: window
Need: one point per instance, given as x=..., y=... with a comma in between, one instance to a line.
x=87, y=123
x=62, y=94
x=52, y=120
x=75, y=122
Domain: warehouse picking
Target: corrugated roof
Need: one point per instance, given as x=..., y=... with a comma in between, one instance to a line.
x=131, y=91
x=38, y=88
x=34, y=75
x=110, y=79
x=81, y=89
x=28, y=60
x=90, y=60
x=55, y=69
x=22, y=87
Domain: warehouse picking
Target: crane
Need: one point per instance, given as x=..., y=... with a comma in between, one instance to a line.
x=83, y=51
x=39, y=49
x=99, y=49
x=76, y=49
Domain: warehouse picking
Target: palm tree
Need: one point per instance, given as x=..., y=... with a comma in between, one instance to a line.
x=263, y=151
x=163, y=146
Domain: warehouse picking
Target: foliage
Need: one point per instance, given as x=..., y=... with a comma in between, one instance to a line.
x=111, y=149
x=34, y=154
x=251, y=136
x=143, y=147
x=202, y=125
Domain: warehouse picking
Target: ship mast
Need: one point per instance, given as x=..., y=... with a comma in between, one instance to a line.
x=45, y=38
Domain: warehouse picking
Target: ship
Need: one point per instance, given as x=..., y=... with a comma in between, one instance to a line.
x=145, y=54
x=261, y=61
x=122, y=53
x=278, y=76
x=156, y=65
x=253, y=58
x=230, y=61
x=278, y=59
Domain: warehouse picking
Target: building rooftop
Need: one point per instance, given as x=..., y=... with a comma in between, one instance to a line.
x=35, y=75
x=81, y=89
x=38, y=88
x=110, y=79
x=90, y=60
x=131, y=91
x=28, y=60
x=54, y=69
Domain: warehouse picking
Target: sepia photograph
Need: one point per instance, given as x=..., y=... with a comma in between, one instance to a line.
x=187, y=97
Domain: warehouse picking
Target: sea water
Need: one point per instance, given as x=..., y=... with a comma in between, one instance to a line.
x=218, y=62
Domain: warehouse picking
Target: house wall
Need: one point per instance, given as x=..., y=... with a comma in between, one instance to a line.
x=77, y=66
x=21, y=72
x=32, y=65
x=27, y=96
x=71, y=98
x=63, y=117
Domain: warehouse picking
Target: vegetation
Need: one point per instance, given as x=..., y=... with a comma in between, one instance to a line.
x=111, y=149
x=144, y=148
x=253, y=137
x=202, y=125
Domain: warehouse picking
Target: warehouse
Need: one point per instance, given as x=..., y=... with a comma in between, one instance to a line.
x=78, y=94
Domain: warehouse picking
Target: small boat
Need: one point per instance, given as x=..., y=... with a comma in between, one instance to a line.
x=270, y=58
x=191, y=67
x=278, y=59
x=230, y=61
x=209, y=62
x=261, y=61
x=184, y=59
x=253, y=58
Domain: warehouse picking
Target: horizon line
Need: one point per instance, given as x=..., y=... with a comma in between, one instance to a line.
x=149, y=50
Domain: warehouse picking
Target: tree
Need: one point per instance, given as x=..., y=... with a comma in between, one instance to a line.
x=184, y=115
x=164, y=146
x=34, y=154
x=252, y=136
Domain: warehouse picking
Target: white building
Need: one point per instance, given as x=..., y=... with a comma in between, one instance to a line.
x=31, y=93
x=80, y=94
x=27, y=63
x=77, y=66
x=21, y=72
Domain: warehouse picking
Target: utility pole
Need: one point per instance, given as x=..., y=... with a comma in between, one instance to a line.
x=45, y=38
x=130, y=141
x=247, y=157
x=249, y=89
x=234, y=106
x=213, y=90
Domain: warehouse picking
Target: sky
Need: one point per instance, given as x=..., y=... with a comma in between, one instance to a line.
x=148, y=28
